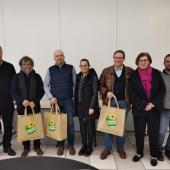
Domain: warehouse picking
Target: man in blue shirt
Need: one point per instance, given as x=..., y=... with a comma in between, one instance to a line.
x=59, y=86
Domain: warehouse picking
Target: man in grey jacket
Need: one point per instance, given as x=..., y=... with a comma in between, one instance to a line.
x=165, y=115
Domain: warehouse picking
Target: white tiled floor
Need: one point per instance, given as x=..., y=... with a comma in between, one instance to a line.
x=113, y=162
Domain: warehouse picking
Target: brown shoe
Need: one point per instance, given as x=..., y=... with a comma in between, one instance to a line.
x=60, y=151
x=71, y=149
x=122, y=153
x=104, y=154
x=25, y=152
x=39, y=151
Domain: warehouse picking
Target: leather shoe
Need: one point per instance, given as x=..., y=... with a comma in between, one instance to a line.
x=104, y=154
x=154, y=161
x=9, y=151
x=82, y=151
x=122, y=153
x=25, y=152
x=39, y=151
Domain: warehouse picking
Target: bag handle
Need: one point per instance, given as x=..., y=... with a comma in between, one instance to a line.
x=25, y=111
x=55, y=106
x=115, y=99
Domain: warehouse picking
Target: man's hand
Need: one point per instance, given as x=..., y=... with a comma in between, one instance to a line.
x=53, y=100
x=109, y=95
x=25, y=103
x=91, y=111
x=32, y=104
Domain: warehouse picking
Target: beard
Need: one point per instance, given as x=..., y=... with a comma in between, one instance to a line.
x=168, y=68
x=27, y=71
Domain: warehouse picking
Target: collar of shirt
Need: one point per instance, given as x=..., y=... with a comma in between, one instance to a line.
x=118, y=71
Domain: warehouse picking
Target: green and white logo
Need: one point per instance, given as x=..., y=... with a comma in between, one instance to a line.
x=30, y=128
x=111, y=119
x=51, y=125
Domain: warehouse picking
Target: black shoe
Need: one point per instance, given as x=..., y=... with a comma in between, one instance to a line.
x=39, y=151
x=160, y=156
x=88, y=152
x=25, y=152
x=82, y=151
x=167, y=153
x=136, y=158
x=9, y=151
x=154, y=161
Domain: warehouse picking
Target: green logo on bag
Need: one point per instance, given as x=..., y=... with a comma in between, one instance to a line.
x=30, y=128
x=51, y=125
x=111, y=120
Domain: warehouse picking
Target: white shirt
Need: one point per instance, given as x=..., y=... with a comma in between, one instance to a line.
x=118, y=71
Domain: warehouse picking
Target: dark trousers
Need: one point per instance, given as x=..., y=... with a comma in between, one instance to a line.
x=36, y=144
x=7, y=111
x=152, y=120
x=87, y=128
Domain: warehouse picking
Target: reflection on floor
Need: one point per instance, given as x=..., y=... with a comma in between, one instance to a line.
x=111, y=163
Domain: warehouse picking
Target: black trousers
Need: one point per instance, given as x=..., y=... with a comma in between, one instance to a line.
x=36, y=144
x=7, y=111
x=87, y=131
x=152, y=120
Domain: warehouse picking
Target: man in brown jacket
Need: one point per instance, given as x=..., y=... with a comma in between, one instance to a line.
x=114, y=80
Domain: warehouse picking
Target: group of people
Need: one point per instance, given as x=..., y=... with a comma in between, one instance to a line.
x=146, y=89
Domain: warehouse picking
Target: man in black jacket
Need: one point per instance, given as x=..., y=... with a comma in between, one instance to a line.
x=7, y=71
x=27, y=91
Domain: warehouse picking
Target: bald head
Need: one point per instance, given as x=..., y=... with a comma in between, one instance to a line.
x=59, y=56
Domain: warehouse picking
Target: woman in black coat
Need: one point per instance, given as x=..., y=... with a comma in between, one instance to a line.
x=146, y=91
x=86, y=105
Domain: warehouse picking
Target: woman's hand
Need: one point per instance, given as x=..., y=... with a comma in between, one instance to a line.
x=91, y=111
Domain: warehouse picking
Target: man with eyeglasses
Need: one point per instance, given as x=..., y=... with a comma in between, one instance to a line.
x=114, y=80
x=59, y=85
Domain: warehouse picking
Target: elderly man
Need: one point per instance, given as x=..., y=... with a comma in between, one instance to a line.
x=27, y=91
x=114, y=80
x=7, y=71
x=58, y=85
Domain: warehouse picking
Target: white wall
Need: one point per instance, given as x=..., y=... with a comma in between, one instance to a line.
x=84, y=28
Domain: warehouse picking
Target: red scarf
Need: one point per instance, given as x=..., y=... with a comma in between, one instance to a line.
x=146, y=78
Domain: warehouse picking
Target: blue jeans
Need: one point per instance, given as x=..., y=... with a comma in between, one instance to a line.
x=108, y=138
x=164, y=123
x=66, y=106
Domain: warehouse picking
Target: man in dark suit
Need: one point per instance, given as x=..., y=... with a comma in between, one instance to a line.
x=7, y=71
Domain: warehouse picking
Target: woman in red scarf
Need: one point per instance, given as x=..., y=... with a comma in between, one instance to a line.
x=146, y=90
